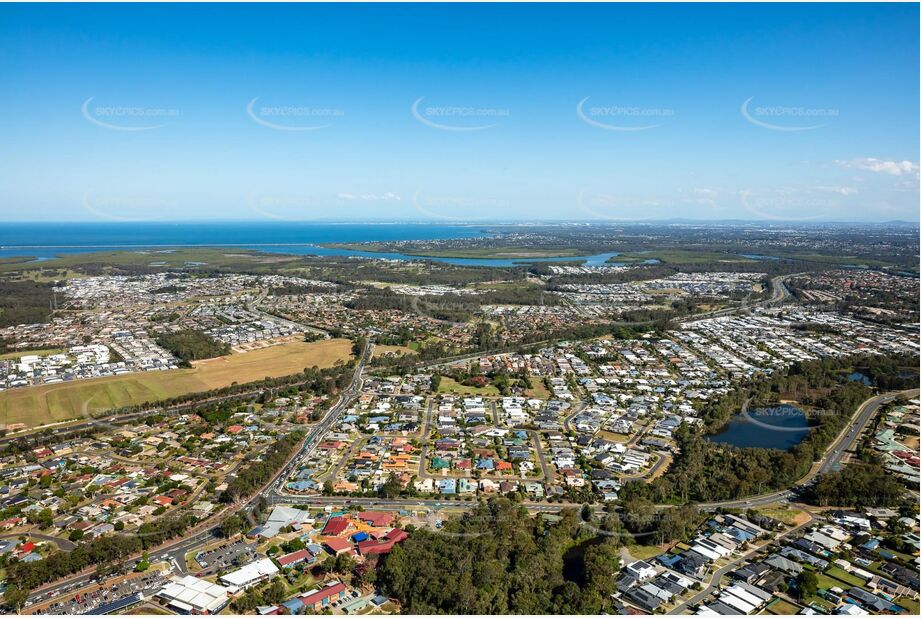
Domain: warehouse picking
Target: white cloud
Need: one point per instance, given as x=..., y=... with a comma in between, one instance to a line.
x=839, y=190
x=871, y=164
x=370, y=197
x=705, y=196
x=706, y=192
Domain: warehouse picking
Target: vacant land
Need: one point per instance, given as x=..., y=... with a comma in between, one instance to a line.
x=645, y=552
x=827, y=582
x=539, y=390
x=784, y=513
x=781, y=607
x=40, y=405
x=63, y=265
x=842, y=575
x=449, y=385
x=397, y=350
x=42, y=352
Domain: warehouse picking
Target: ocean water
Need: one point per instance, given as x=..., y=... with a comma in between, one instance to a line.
x=61, y=236
x=45, y=241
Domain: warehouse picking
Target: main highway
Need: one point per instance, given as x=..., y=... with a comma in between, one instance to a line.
x=174, y=552
x=779, y=294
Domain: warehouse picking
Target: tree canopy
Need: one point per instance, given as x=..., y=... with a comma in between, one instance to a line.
x=498, y=559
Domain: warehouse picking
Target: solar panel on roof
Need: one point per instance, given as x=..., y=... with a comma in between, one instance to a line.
x=114, y=606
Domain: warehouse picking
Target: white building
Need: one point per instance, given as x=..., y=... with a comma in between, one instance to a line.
x=252, y=573
x=641, y=570
x=190, y=595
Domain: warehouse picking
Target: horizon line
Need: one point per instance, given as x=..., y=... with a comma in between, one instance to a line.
x=672, y=220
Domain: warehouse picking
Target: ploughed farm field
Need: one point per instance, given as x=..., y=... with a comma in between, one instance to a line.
x=40, y=405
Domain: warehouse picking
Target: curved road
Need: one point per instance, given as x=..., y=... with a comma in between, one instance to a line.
x=779, y=294
x=717, y=575
x=63, y=544
x=831, y=461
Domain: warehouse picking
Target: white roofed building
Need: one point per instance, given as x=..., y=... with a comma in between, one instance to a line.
x=191, y=595
x=252, y=573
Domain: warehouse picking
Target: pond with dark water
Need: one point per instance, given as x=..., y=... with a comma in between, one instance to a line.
x=781, y=427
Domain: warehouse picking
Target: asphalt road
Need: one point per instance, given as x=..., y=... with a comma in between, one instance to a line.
x=567, y=421
x=62, y=544
x=779, y=294
x=862, y=416
x=833, y=455
x=61, y=429
x=175, y=551
x=719, y=573
x=410, y=504
x=319, y=430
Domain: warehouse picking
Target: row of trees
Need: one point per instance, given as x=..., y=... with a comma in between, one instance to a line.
x=328, y=381
x=188, y=345
x=856, y=485
x=109, y=551
x=106, y=551
x=259, y=472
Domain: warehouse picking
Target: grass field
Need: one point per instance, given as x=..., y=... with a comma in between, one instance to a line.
x=45, y=352
x=782, y=607
x=613, y=437
x=839, y=573
x=501, y=252
x=164, y=257
x=41, y=405
x=538, y=389
x=398, y=350
x=827, y=582
x=449, y=385
x=784, y=513
x=644, y=552
x=911, y=605
x=820, y=602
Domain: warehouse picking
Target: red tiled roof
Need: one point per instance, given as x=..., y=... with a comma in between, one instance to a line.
x=337, y=545
x=294, y=557
x=371, y=547
x=367, y=548
x=335, y=526
x=396, y=535
x=324, y=593
x=376, y=518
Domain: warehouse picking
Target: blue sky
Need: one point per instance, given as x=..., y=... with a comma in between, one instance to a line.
x=459, y=112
